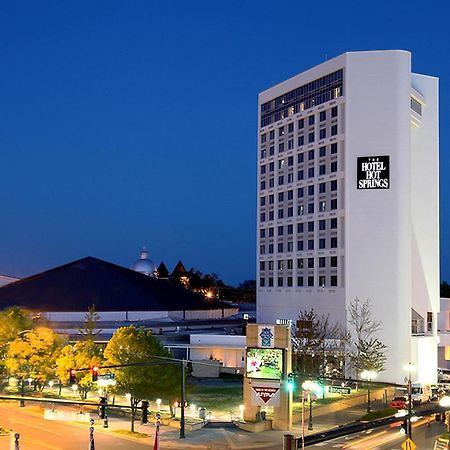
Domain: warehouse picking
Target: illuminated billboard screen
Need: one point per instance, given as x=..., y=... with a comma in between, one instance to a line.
x=264, y=363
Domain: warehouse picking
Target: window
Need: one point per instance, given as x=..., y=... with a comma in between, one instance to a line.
x=300, y=158
x=262, y=265
x=311, y=208
x=290, y=161
x=290, y=211
x=271, y=182
x=322, y=262
x=263, y=185
x=334, y=130
x=280, y=230
x=322, y=188
x=311, y=189
x=271, y=198
x=262, y=249
x=310, y=227
x=333, y=203
x=263, y=153
x=311, y=172
x=311, y=155
x=280, y=196
x=271, y=150
x=272, y=134
x=271, y=232
x=301, y=140
x=333, y=185
x=334, y=148
x=333, y=223
x=300, y=227
x=323, y=116
x=300, y=175
x=334, y=111
x=262, y=217
x=290, y=264
x=333, y=261
x=301, y=124
x=322, y=151
x=311, y=120
x=271, y=167
x=290, y=229
x=322, y=133
x=281, y=180
x=322, y=226
x=300, y=192
x=322, y=280
x=300, y=263
x=290, y=178
x=333, y=242
x=270, y=215
x=280, y=213
x=290, y=246
x=300, y=210
x=310, y=244
x=290, y=144
x=262, y=233
x=280, y=281
x=291, y=128
x=271, y=265
x=322, y=169
x=289, y=281
x=290, y=194
x=311, y=137
x=280, y=247
x=310, y=281
x=262, y=282
x=321, y=243
x=263, y=169
x=322, y=206
x=300, y=281
x=299, y=246
x=280, y=164
x=262, y=201
x=270, y=249
x=333, y=167
x=281, y=147
x=333, y=280
x=310, y=263
x=270, y=282
x=281, y=131
x=263, y=138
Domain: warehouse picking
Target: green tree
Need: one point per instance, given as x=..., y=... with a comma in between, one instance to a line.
x=89, y=330
x=367, y=352
x=130, y=345
x=33, y=354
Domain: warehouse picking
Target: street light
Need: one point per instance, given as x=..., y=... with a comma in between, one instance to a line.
x=410, y=367
x=310, y=387
x=368, y=375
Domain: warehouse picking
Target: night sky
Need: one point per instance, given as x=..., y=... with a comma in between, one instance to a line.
x=134, y=122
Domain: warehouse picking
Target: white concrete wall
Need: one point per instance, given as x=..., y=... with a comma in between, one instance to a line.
x=105, y=316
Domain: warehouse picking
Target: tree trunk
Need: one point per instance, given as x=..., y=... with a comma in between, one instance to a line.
x=132, y=415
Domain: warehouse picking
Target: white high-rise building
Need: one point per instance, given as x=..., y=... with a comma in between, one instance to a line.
x=348, y=193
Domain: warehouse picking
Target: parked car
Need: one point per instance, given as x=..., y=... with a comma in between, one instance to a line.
x=399, y=403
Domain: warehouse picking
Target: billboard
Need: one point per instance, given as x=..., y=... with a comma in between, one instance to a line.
x=373, y=172
x=264, y=363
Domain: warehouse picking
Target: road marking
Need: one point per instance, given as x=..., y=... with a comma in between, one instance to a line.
x=351, y=444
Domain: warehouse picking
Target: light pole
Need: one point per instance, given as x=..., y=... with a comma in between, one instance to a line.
x=410, y=367
x=310, y=387
x=368, y=375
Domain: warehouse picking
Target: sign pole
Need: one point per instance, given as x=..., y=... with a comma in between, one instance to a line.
x=91, y=436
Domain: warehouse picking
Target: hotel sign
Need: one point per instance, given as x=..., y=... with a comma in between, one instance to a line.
x=373, y=172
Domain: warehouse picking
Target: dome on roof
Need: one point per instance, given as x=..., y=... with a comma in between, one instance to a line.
x=145, y=265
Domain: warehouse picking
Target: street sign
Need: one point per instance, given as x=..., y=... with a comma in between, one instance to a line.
x=409, y=445
x=265, y=393
x=106, y=376
x=106, y=379
x=339, y=390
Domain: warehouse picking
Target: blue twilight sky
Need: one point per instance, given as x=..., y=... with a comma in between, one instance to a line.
x=125, y=123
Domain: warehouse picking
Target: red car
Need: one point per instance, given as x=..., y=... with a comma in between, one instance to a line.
x=399, y=403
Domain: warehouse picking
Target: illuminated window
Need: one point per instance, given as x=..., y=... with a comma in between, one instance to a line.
x=322, y=280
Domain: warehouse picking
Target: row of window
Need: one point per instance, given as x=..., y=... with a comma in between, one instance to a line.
x=289, y=211
x=289, y=178
x=302, y=245
x=301, y=228
x=301, y=281
x=300, y=125
x=289, y=195
x=302, y=263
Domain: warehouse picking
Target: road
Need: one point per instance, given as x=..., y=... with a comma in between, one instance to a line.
x=39, y=434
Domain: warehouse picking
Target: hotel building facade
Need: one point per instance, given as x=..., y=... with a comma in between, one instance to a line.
x=348, y=188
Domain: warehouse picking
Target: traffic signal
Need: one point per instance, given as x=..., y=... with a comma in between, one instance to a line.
x=72, y=376
x=102, y=408
x=290, y=385
x=94, y=371
x=144, y=407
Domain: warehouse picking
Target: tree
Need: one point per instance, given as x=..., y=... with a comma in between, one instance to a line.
x=367, y=352
x=130, y=345
x=90, y=324
x=33, y=354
